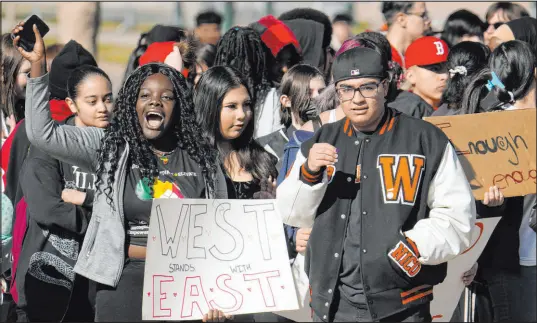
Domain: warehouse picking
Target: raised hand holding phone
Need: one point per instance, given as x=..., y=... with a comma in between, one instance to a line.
x=37, y=56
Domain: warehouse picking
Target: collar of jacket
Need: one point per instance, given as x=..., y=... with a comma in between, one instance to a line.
x=385, y=125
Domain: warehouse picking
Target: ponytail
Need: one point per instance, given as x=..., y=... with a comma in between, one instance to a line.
x=475, y=92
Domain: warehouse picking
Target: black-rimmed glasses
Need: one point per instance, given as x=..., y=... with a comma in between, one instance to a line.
x=347, y=93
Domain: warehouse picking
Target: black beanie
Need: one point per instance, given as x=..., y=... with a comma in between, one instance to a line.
x=357, y=63
x=71, y=56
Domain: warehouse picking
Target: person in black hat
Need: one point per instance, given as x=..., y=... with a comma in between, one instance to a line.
x=387, y=200
x=70, y=57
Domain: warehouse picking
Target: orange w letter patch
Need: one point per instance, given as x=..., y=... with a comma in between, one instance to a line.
x=400, y=176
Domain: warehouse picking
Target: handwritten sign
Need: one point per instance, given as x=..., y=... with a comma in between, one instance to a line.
x=495, y=148
x=227, y=254
x=446, y=294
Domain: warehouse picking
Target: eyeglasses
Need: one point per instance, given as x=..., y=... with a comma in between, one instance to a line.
x=347, y=93
x=424, y=15
x=496, y=25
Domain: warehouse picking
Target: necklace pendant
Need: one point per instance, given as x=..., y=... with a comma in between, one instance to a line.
x=164, y=160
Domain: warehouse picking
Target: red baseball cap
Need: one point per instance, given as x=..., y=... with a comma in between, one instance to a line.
x=157, y=53
x=426, y=50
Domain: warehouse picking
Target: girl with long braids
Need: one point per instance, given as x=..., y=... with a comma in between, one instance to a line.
x=152, y=148
x=225, y=113
x=242, y=49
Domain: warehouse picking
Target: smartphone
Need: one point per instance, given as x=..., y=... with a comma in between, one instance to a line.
x=27, y=40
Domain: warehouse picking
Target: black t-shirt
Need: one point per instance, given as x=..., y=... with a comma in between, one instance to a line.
x=241, y=190
x=350, y=276
x=180, y=177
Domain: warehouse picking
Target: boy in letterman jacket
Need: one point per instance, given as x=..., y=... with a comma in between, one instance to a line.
x=387, y=200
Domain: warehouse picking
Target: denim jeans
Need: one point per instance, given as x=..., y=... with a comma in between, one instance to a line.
x=525, y=296
x=497, y=300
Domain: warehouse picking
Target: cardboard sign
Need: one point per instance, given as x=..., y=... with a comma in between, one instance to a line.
x=495, y=148
x=227, y=254
x=446, y=294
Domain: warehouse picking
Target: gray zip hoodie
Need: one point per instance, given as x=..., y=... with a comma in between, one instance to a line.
x=102, y=254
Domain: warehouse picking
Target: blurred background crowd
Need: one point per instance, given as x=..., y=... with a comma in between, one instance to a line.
x=110, y=30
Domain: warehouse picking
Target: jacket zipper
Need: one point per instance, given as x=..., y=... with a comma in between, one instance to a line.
x=120, y=206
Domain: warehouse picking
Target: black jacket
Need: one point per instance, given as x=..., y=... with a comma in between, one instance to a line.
x=409, y=230
x=275, y=143
x=411, y=104
x=54, y=233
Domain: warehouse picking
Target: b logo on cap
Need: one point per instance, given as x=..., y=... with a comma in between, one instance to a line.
x=439, y=48
x=355, y=72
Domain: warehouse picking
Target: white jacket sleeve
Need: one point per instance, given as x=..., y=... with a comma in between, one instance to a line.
x=296, y=201
x=446, y=233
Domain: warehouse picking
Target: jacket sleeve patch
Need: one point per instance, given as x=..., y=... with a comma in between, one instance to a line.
x=406, y=259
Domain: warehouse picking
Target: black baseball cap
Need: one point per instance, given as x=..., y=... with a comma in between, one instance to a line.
x=358, y=63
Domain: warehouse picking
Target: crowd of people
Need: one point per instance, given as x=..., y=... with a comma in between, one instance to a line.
x=293, y=108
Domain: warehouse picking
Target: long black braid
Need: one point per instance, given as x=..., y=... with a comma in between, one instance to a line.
x=125, y=128
x=242, y=49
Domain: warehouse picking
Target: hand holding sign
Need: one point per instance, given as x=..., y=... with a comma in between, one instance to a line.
x=494, y=197
x=216, y=316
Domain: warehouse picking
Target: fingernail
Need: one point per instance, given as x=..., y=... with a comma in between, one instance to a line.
x=337, y=155
x=335, y=161
x=337, y=150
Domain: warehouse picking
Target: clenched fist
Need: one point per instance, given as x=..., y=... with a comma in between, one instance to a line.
x=302, y=237
x=321, y=155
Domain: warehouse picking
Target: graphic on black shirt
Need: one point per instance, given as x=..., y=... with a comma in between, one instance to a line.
x=161, y=190
x=172, y=182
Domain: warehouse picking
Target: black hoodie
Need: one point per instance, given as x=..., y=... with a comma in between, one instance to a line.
x=46, y=282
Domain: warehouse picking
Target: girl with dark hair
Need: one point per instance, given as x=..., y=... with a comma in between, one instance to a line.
x=464, y=60
x=14, y=77
x=514, y=65
x=300, y=85
x=507, y=266
x=152, y=148
x=463, y=25
x=59, y=197
x=242, y=49
x=205, y=56
x=225, y=113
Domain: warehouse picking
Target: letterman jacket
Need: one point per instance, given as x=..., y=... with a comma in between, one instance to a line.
x=417, y=211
